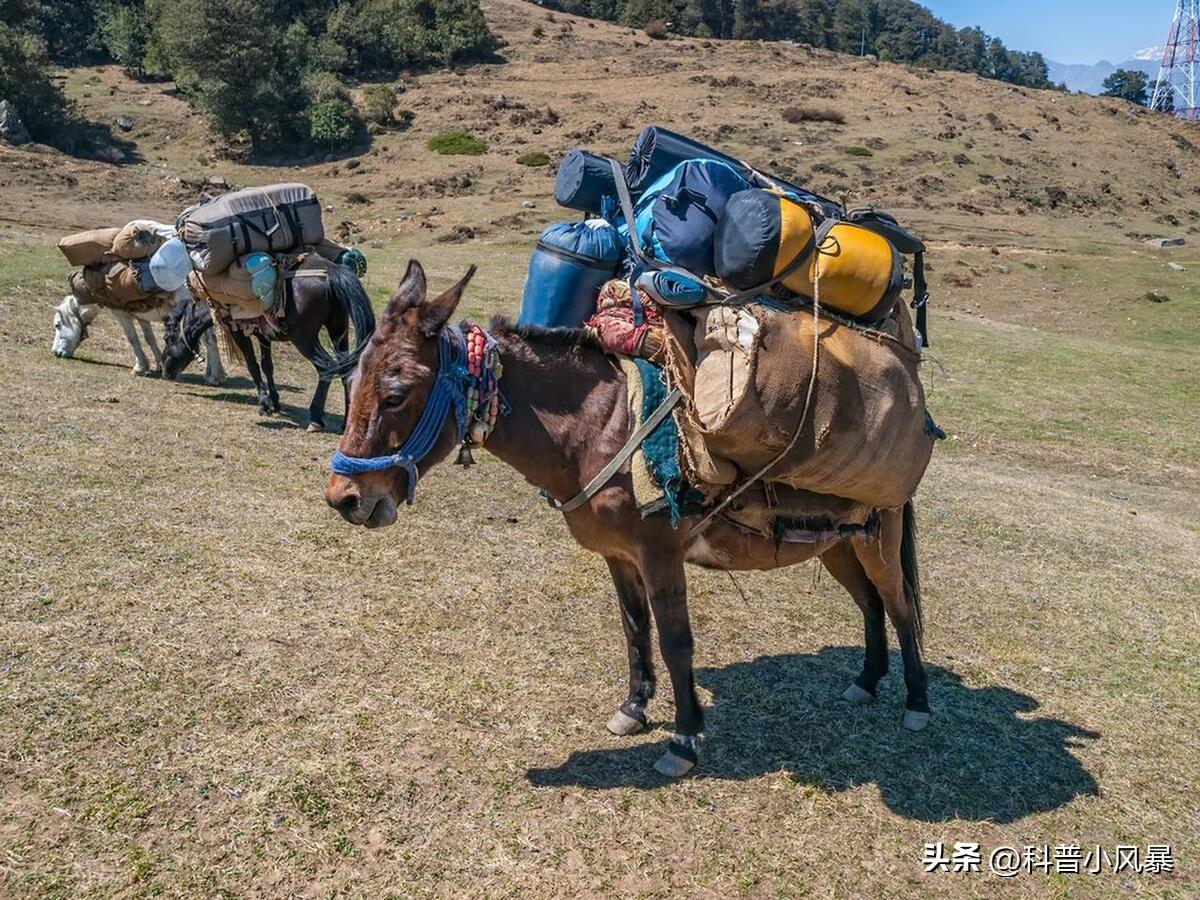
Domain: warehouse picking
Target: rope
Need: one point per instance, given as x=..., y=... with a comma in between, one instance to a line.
x=812, y=384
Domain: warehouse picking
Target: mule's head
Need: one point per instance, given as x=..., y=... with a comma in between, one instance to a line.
x=396, y=374
x=184, y=332
x=71, y=321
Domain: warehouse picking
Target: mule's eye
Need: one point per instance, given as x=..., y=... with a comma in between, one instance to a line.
x=394, y=400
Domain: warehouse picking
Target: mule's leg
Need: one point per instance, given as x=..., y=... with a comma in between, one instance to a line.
x=140, y=366
x=245, y=345
x=630, y=718
x=845, y=567
x=155, y=350
x=214, y=370
x=890, y=563
x=268, y=367
x=316, y=406
x=666, y=588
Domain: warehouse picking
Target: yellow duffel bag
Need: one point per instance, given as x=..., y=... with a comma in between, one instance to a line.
x=764, y=238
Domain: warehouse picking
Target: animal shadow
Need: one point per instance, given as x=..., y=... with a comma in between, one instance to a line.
x=982, y=757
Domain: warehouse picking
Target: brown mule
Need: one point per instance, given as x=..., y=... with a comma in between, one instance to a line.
x=569, y=418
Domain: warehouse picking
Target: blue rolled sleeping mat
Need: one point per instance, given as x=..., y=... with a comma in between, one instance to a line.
x=569, y=266
x=657, y=150
x=672, y=289
x=584, y=181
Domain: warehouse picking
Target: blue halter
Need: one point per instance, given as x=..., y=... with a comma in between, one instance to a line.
x=449, y=392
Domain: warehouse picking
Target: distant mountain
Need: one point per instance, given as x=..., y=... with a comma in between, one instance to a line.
x=1090, y=78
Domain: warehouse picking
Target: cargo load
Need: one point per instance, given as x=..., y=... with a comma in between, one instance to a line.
x=280, y=218
x=89, y=248
x=765, y=238
x=778, y=315
x=140, y=238
x=569, y=265
x=746, y=371
x=249, y=288
x=117, y=284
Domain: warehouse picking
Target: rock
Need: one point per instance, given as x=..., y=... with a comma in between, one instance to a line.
x=12, y=129
x=218, y=182
x=1176, y=266
x=110, y=154
x=1155, y=297
x=1165, y=242
x=1025, y=134
x=529, y=204
x=125, y=123
x=145, y=102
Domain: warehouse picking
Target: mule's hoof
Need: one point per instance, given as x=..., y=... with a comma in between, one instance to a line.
x=857, y=695
x=621, y=724
x=314, y=427
x=914, y=720
x=673, y=766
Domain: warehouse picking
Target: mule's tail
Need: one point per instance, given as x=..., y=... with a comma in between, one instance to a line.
x=347, y=291
x=908, y=563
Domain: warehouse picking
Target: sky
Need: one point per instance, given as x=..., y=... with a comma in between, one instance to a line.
x=1066, y=31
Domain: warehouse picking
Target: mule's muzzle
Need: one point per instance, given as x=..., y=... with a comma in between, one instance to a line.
x=371, y=510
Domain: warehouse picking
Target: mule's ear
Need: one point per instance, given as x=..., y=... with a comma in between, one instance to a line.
x=409, y=295
x=437, y=312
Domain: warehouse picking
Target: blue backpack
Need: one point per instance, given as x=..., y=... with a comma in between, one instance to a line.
x=676, y=216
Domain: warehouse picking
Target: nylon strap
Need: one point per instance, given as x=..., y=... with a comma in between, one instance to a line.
x=635, y=440
x=921, y=298
x=635, y=240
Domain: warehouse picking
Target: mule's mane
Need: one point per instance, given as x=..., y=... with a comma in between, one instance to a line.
x=506, y=331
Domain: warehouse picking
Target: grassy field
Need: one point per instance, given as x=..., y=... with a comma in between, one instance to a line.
x=211, y=687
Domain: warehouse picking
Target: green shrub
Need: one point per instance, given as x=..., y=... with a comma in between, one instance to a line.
x=331, y=123
x=535, y=158
x=456, y=143
x=379, y=104
x=858, y=151
x=537, y=31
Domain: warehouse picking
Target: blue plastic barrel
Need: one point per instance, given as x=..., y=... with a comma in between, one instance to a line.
x=569, y=266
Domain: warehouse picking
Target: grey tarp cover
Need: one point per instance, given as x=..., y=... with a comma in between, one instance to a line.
x=275, y=219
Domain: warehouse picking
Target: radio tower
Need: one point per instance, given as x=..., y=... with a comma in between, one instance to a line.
x=1175, y=89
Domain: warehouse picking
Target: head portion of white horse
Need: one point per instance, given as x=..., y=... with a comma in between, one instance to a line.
x=71, y=321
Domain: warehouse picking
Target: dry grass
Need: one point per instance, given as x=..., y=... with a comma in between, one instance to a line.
x=210, y=686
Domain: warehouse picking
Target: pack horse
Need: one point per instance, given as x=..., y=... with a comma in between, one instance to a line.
x=439, y=387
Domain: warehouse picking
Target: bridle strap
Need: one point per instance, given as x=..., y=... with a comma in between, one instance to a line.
x=449, y=395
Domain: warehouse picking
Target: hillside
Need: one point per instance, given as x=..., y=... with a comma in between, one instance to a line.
x=948, y=149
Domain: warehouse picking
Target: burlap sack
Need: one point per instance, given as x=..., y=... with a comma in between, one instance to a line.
x=88, y=248
x=230, y=289
x=114, y=285
x=137, y=240
x=864, y=436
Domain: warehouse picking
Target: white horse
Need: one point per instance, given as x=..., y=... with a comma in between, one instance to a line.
x=72, y=318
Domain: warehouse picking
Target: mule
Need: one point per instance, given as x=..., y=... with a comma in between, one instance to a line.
x=73, y=319
x=569, y=417
x=332, y=301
